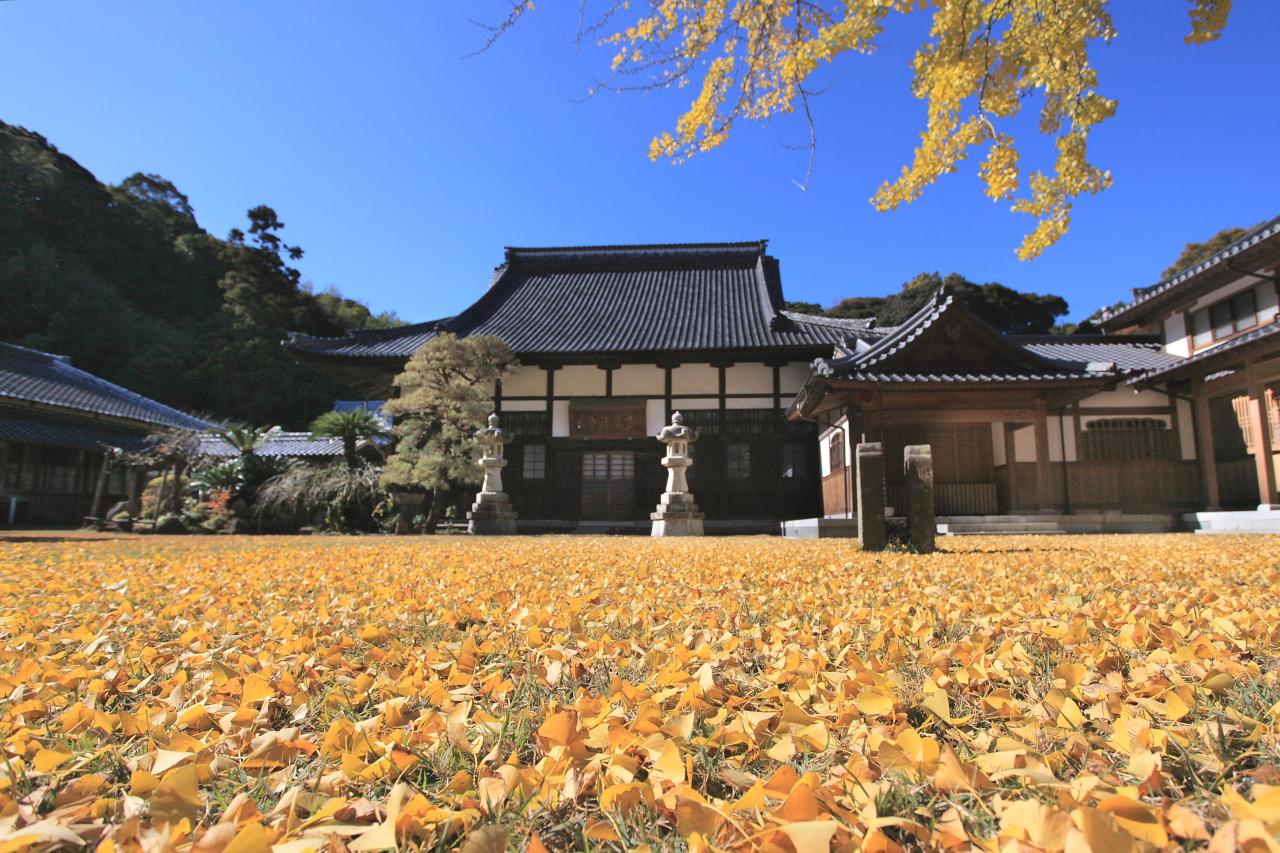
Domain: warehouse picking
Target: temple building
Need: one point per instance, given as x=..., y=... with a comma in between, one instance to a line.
x=56, y=424
x=611, y=341
x=1165, y=415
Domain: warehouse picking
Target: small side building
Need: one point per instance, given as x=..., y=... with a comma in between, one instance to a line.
x=1217, y=321
x=1044, y=424
x=56, y=424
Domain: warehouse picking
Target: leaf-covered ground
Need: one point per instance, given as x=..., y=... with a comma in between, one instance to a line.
x=1028, y=693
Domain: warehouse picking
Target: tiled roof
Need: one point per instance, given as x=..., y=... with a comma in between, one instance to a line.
x=293, y=444
x=1263, y=334
x=1144, y=295
x=32, y=376
x=1129, y=353
x=56, y=432
x=606, y=299
x=892, y=355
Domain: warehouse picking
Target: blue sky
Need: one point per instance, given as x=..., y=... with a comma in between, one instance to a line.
x=403, y=169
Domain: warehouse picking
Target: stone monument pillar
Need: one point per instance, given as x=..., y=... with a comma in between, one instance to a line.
x=869, y=458
x=917, y=462
x=491, y=514
x=677, y=514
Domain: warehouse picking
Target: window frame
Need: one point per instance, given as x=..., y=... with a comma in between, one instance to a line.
x=737, y=460
x=539, y=463
x=1238, y=323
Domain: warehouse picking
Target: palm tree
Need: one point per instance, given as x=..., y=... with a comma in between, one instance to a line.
x=350, y=426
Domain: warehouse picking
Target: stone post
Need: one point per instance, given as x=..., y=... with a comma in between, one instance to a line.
x=869, y=458
x=921, y=523
x=491, y=514
x=677, y=514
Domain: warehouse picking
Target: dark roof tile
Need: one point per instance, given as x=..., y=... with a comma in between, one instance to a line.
x=32, y=376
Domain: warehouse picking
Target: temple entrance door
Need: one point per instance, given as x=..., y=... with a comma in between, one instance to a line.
x=608, y=484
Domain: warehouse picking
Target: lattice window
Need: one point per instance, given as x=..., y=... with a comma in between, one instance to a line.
x=751, y=421
x=705, y=421
x=1230, y=440
x=738, y=460
x=526, y=423
x=1127, y=438
x=792, y=461
x=534, y=464
x=835, y=452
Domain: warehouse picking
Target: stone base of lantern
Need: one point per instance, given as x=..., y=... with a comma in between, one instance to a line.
x=491, y=515
x=677, y=515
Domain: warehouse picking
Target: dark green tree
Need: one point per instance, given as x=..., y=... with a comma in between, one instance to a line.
x=446, y=393
x=351, y=426
x=1008, y=310
x=1194, y=253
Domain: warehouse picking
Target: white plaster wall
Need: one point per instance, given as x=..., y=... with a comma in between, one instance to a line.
x=525, y=382
x=580, y=380
x=1024, y=444
x=997, y=443
x=1055, y=439
x=524, y=405
x=1069, y=437
x=793, y=376
x=695, y=379
x=639, y=380
x=560, y=418
x=1176, y=341
x=824, y=452
x=1122, y=398
x=1221, y=293
x=655, y=415
x=1186, y=430
x=748, y=379
x=1267, y=302
x=699, y=403
x=749, y=403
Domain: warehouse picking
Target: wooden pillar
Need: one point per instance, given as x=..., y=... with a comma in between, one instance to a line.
x=133, y=480
x=1206, y=456
x=1260, y=427
x=1044, y=488
x=1011, y=468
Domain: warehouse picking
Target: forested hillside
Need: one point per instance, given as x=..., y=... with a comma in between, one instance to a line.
x=123, y=279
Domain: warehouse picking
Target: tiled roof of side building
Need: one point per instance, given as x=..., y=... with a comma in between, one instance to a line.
x=70, y=434
x=896, y=357
x=615, y=299
x=31, y=376
x=294, y=444
x=1261, y=336
x=1267, y=231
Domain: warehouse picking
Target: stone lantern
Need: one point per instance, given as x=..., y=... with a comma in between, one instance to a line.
x=491, y=514
x=677, y=514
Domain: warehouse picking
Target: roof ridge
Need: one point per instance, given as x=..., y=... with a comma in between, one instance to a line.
x=1268, y=228
x=624, y=248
